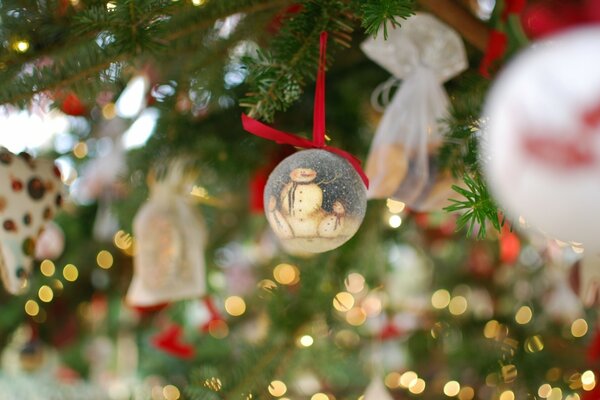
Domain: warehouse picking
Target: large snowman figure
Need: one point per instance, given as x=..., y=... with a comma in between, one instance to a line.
x=300, y=213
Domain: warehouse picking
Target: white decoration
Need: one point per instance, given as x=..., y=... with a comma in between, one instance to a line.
x=424, y=53
x=51, y=243
x=377, y=391
x=170, y=237
x=541, y=148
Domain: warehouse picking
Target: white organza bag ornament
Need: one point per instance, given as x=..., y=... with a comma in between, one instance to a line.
x=170, y=237
x=423, y=53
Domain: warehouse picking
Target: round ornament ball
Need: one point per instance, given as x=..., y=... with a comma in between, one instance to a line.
x=314, y=201
x=541, y=147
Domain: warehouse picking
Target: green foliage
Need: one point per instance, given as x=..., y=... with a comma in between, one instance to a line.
x=377, y=14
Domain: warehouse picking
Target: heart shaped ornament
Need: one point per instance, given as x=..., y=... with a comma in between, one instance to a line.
x=30, y=195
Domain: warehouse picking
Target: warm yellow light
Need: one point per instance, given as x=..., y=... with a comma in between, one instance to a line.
x=355, y=283
x=579, y=328
x=555, y=394
x=198, y=2
x=587, y=378
x=343, y=301
x=218, y=329
x=111, y=5
x=466, y=393
x=451, y=388
x=109, y=111
x=523, y=315
x=356, y=316
x=286, y=274
x=70, y=272
x=534, y=344
x=47, y=267
x=123, y=240
x=104, y=259
x=417, y=386
x=306, y=341
x=491, y=329
x=407, y=378
x=395, y=206
x=171, y=392
x=440, y=299
x=573, y=396
x=507, y=395
x=80, y=150
x=21, y=46
x=392, y=380
x=235, y=306
x=319, y=396
x=32, y=308
x=277, y=388
x=458, y=305
x=544, y=391
x=372, y=305
x=45, y=294
x=509, y=372
x=395, y=221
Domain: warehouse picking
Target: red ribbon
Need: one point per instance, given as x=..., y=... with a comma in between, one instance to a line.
x=264, y=131
x=495, y=50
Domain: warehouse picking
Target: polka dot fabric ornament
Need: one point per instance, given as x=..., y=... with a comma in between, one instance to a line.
x=541, y=147
x=314, y=201
x=30, y=194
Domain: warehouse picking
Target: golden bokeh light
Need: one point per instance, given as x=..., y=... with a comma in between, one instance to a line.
x=104, y=259
x=507, y=395
x=109, y=110
x=392, y=380
x=417, y=386
x=32, y=308
x=544, y=391
x=451, y=388
x=306, y=341
x=218, y=329
x=171, y=392
x=343, y=301
x=319, y=396
x=286, y=274
x=277, y=388
x=407, y=378
x=355, y=283
x=356, y=316
x=47, y=268
x=235, y=306
x=395, y=206
x=555, y=394
x=466, y=393
x=395, y=221
x=440, y=299
x=45, y=294
x=523, y=315
x=80, y=150
x=458, y=305
x=579, y=328
x=21, y=46
x=70, y=272
x=534, y=344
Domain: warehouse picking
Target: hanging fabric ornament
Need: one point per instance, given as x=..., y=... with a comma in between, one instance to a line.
x=541, y=148
x=31, y=194
x=170, y=237
x=315, y=200
x=377, y=391
x=402, y=164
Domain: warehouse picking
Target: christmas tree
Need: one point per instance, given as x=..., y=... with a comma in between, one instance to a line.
x=182, y=263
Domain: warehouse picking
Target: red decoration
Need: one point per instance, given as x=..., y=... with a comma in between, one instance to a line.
x=72, y=105
x=512, y=7
x=546, y=17
x=495, y=51
x=389, y=331
x=280, y=17
x=170, y=341
x=145, y=311
x=510, y=246
x=318, y=142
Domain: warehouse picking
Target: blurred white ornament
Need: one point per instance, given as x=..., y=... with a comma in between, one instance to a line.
x=51, y=243
x=402, y=163
x=561, y=303
x=31, y=192
x=407, y=282
x=377, y=391
x=170, y=237
x=541, y=150
x=314, y=201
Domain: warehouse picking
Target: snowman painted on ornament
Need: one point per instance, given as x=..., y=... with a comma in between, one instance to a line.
x=300, y=213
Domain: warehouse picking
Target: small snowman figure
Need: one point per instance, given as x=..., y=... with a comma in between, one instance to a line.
x=300, y=213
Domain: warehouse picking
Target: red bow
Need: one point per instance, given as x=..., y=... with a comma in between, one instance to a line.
x=318, y=142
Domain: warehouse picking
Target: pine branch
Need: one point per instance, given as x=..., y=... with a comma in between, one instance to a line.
x=377, y=14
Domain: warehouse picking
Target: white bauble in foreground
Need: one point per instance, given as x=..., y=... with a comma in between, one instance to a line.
x=314, y=201
x=541, y=146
